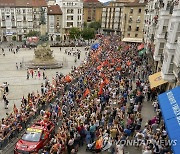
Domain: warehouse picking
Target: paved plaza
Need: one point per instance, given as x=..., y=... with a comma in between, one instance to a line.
x=19, y=86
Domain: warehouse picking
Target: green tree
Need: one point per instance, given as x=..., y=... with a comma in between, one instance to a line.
x=33, y=33
x=88, y=33
x=74, y=33
x=14, y=38
x=85, y=24
x=96, y=25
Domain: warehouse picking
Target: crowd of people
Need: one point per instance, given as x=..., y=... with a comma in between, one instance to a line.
x=102, y=98
x=106, y=99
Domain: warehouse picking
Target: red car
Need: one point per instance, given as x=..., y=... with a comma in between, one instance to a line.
x=35, y=138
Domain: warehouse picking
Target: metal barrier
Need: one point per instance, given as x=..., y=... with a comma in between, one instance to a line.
x=24, y=124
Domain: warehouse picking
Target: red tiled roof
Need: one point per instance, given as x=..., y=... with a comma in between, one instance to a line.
x=25, y=3
x=54, y=10
x=5, y=3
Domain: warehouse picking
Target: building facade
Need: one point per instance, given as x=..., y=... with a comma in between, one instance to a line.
x=111, y=18
x=125, y=18
x=54, y=22
x=171, y=59
x=72, y=15
x=20, y=17
x=150, y=23
x=92, y=11
x=133, y=21
x=166, y=40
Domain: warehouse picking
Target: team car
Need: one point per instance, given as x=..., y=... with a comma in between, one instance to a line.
x=35, y=138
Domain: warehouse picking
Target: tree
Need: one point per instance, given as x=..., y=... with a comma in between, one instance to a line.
x=33, y=33
x=96, y=25
x=74, y=33
x=85, y=24
x=88, y=33
x=14, y=38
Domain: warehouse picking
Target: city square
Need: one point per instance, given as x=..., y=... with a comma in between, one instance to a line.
x=90, y=76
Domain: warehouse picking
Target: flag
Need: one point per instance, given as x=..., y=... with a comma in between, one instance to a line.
x=99, y=67
x=106, y=81
x=86, y=92
x=118, y=68
x=68, y=78
x=101, y=89
x=128, y=63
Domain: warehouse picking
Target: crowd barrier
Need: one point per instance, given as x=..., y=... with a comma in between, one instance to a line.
x=24, y=125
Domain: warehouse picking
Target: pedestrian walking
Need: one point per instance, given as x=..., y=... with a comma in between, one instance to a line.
x=5, y=101
x=27, y=74
x=79, y=55
x=39, y=74
x=20, y=65
x=32, y=73
x=44, y=75
x=16, y=66
x=42, y=88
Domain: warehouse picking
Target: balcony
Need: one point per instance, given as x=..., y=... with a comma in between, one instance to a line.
x=176, y=71
x=138, y=21
x=130, y=20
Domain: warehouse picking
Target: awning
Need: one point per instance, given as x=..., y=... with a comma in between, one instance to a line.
x=138, y=40
x=170, y=107
x=140, y=47
x=156, y=80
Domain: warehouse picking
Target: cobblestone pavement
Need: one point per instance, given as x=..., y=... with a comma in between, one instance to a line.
x=19, y=86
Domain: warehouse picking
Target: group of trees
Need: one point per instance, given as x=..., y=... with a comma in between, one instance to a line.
x=87, y=33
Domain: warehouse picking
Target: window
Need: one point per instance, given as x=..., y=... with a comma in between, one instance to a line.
x=24, y=18
x=69, y=17
x=136, y=35
x=178, y=28
x=70, y=11
x=164, y=29
x=129, y=28
x=171, y=68
x=131, y=11
x=130, y=19
x=69, y=24
x=139, y=10
x=137, y=28
x=24, y=10
x=161, y=46
x=128, y=34
x=138, y=19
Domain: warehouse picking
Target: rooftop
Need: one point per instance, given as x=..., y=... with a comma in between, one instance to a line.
x=20, y=3
x=54, y=10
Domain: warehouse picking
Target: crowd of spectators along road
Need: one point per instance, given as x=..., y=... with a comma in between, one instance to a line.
x=104, y=95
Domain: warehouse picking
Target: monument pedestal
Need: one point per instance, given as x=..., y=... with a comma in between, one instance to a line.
x=43, y=58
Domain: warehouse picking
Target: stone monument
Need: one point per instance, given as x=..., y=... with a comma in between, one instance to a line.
x=43, y=53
